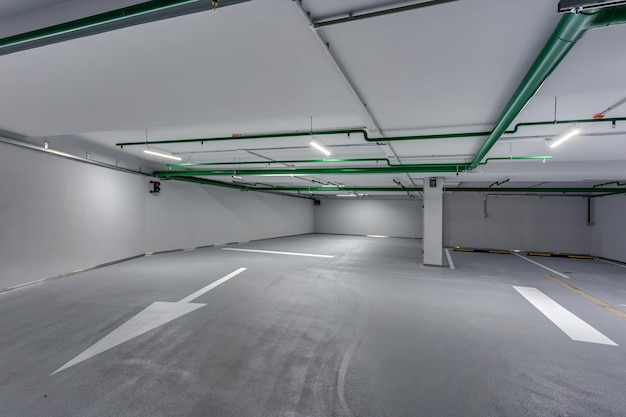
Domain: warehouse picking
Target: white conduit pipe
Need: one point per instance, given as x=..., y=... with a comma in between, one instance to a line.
x=69, y=156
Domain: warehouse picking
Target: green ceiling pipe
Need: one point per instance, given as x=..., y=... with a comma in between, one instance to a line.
x=538, y=190
x=345, y=189
x=619, y=184
x=248, y=137
x=400, y=168
x=612, y=120
x=365, y=135
x=301, y=134
x=115, y=19
x=348, y=132
x=603, y=191
x=338, y=160
x=517, y=158
x=291, y=161
x=570, y=29
x=429, y=168
x=498, y=183
x=213, y=182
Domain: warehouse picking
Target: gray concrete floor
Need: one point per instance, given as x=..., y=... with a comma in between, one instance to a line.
x=370, y=332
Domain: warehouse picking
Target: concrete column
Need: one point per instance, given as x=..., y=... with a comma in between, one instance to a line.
x=433, y=221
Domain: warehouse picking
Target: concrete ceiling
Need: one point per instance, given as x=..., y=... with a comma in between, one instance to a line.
x=258, y=67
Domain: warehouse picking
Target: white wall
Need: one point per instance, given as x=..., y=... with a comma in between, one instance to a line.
x=58, y=216
x=187, y=215
x=557, y=224
x=397, y=218
x=609, y=229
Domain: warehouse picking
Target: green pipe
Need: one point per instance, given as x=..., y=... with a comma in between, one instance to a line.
x=252, y=184
x=498, y=183
x=365, y=135
x=538, y=190
x=429, y=168
x=347, y=189
x=561, y=122
x=434, y=168
x=91, y=21
x=339, y=160
x=570, y=29
x=291, y=161
x=516, y=158
x=248, y=137
x=605, y=191
x=619, y=184
x=293, y=189
x=213, y=182
x=115, y=19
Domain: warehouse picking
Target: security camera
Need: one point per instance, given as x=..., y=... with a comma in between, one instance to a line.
x=577, y=9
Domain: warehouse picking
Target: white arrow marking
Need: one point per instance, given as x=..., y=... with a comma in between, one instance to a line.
x=155, y=315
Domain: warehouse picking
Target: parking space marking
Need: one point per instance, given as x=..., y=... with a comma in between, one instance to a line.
x=569, y=323
x=280, y=253
x=609, y=262
x=608, y=307
x=542, y=266
x=450, y=263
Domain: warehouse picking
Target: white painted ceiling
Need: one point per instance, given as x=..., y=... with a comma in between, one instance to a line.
x=258, y=67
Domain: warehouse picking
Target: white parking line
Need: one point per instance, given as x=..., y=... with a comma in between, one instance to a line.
x=450, y=263
x=569, y=323
x=609, y=262
x=280, y=253
x=543, y=266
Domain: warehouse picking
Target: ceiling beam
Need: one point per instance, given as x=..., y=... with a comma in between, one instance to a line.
x=137, y=14
x=352, y=17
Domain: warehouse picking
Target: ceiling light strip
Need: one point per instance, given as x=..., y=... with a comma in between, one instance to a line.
x=565, y=137
x=162, y=154
x=320, y=148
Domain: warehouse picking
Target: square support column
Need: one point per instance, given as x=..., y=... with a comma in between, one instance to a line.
x=433, y=221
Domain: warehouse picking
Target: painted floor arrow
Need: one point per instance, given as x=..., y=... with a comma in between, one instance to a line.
x=155, y=315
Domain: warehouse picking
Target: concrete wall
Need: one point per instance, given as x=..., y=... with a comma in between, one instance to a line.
x=556, y=224
x=397, y=218
x=57, y=216
x=187, y=215
x=609, y=229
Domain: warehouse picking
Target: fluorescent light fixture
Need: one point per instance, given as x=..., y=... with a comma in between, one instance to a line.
x=237, y=177
x=347, y=195
x=565, y=137
x=283, y=175
x=376, y=236
x=162, y=155
x=320, y=148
